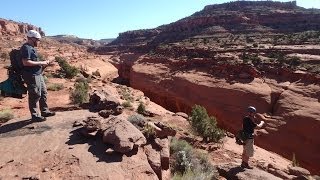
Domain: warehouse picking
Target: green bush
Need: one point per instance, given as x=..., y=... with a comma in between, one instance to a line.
x=189, y=163
x=5, y=115
x=179, y=145
x=67, y=70
x=55, y=87
x=80, y=93
x=204, y=125
x=141, y=108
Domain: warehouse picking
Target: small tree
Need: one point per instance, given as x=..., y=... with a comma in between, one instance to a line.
x=67, y=70
x=204, y=125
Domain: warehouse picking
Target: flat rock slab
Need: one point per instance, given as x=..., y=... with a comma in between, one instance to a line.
x=234, y=171
x=54, y=149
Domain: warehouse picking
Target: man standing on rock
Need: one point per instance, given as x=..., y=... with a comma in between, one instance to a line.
x=32, y=75
x=248, y=129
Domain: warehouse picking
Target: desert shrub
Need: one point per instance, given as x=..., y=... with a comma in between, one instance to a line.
x=189, y=163
x=141, y=108
x=55, y=87
x=204, y=125
x=126, y=104
x=194, y=175
x=126, y=94
x=179, y=145
x=80, y=93
x=5, y=115
x=148, y=131
x=67, y=70
x=137, y=120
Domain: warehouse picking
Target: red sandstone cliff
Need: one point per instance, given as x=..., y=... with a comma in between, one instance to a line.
x=290, y=108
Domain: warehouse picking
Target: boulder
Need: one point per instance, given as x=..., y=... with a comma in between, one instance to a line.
x=122, y=135
x=101, y=100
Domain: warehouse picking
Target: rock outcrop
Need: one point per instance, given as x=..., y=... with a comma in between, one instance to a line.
x=234, y=171
x=13, y=28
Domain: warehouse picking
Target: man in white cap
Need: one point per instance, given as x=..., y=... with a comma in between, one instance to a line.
x=248, y=129
x=32, y=75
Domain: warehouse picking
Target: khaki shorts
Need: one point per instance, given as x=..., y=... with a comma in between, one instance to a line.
x=248, y=148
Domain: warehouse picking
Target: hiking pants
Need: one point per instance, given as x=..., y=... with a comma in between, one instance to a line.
x=37, y=92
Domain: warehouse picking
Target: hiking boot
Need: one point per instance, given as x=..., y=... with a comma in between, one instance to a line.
x=246, y=165
x=38, y=118
x=48, y=114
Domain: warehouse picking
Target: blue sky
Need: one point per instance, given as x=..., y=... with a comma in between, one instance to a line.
x=98, y=19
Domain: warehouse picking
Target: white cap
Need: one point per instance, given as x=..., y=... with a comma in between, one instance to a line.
x=33, y=34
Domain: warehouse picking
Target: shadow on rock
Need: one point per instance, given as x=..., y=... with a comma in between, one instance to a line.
x=96, y=146
x=230, y=173
x=7, y=128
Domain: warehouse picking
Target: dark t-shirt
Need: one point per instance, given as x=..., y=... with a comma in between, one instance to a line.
x=248, y=126
x=28, y=52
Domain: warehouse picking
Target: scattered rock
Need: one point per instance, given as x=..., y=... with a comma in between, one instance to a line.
x=93, y=123
x=45, y=170
x=279, y=173
x=105, y=113
x=298, y=171
x=31, y=178
x=182, y=114
x=165, y=130
x=109, y=151
x=88, y=133
x=229, y=134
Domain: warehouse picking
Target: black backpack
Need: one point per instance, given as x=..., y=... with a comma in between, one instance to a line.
x=241, y=137
x=16, y=61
